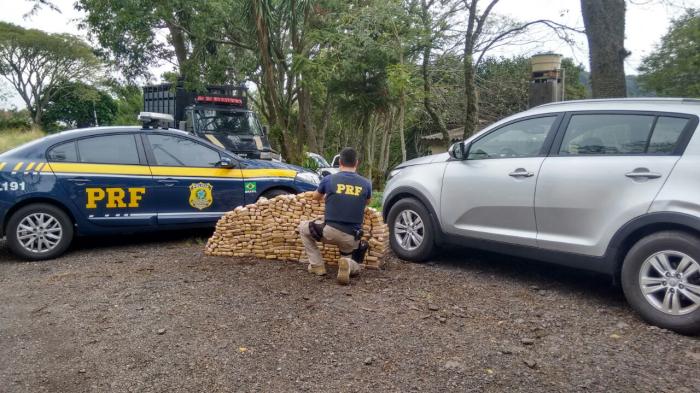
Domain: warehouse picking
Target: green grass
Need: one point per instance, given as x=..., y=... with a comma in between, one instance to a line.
x=376, y=201
x=12, y=138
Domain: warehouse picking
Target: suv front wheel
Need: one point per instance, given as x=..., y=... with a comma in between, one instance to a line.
x=411, y=230
x=661, y=280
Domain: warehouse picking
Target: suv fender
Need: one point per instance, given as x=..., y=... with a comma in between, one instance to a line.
x=642, y=226
x=409, y=192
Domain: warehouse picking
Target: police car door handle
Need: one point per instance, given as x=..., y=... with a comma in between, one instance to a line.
x=167, y=182
x=78, y=180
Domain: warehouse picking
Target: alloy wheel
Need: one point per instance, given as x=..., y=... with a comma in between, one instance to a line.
x=39, y=233
x=409, y=230
x=670, y=282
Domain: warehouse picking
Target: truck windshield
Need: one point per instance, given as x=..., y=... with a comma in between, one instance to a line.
x=223, y=122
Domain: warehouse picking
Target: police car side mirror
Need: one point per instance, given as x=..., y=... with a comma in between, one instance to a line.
x=225, y=162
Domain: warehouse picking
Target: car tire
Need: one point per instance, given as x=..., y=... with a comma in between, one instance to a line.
x=402, y=212
x=658, y=273
x=274, y=193
x=52, y=225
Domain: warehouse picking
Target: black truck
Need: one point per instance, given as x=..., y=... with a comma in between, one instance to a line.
x=220, y=114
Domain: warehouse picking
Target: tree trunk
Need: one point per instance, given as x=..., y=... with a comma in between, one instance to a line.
x=605, y=29
x=435, y=116
x=402, y=122
x=305, y=128
x=325, y=120
x=471, y=103
x=178, y=41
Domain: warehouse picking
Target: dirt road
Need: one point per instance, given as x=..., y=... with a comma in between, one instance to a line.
x=157, y=315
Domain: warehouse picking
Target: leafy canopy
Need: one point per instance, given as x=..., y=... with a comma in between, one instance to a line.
x=35, y=63
x=673, y=69
x=79, y=105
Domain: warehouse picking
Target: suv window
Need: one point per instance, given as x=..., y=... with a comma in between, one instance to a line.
x=666, y=134
x=615, y=134
x=171, y=150
x=65, y=152
x=109, y=149
x=606, y=134
x=520, y=139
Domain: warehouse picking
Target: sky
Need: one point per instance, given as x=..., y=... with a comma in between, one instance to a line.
x=646, y=22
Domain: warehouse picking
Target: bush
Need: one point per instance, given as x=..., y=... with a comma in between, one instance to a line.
x=15, y=120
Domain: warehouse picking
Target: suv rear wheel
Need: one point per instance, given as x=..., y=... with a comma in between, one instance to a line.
x=39, y=231
x=411, y=230
x=661, y=280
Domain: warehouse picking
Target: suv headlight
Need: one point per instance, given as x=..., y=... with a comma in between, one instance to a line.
x=308, y=177
x=393, y=173
x=265, y=155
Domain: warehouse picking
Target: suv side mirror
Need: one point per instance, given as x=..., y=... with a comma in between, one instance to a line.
x=458, y=151
x=264, y=130
x=225, y=162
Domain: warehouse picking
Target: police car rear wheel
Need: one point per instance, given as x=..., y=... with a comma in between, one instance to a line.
x=39, y=231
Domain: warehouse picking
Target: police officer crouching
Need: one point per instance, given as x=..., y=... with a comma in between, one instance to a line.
x=346, y=194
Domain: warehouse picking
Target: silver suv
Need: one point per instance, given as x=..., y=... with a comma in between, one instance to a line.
x=606, y=185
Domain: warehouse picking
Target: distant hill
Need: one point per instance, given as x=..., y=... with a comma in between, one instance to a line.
x=633, y=88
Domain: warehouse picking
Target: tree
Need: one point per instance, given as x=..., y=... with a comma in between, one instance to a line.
x=573, y=88
x=673, y=68
x=36, y=64
x=605, y=29
x=484, y=32
x=79, y=105
x=129, y=101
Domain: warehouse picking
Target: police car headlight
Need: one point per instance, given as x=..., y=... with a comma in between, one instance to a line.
x=309, y=177
x=393, y=173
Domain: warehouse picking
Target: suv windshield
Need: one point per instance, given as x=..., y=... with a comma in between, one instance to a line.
x=226, y=122
x=322, y=163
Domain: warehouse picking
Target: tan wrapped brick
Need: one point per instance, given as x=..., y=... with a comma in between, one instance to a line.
x=268, y=229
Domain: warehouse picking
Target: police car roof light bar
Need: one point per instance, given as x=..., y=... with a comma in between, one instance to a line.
x=153, y=119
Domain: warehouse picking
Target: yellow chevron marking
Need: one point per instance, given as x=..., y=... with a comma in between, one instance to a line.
x=103, y=169
x=29, y=167
x=17, y=167
x=39, y=167
x=2, y=165
x=214, y=140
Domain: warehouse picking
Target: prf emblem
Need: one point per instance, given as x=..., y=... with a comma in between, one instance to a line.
x=117, y=198
x=200, y=195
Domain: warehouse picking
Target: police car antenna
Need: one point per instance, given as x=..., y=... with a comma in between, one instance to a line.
x=154, y=120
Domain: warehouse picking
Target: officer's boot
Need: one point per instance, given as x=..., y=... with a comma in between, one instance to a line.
x=319, y=270
x=346, y=268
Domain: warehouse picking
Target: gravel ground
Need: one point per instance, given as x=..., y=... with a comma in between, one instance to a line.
x=154, y=314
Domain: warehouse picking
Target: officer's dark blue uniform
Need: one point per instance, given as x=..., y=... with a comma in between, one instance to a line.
x=346, y=197
x=346, y=194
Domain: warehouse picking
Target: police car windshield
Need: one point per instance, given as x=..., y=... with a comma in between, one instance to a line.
x=223, y=122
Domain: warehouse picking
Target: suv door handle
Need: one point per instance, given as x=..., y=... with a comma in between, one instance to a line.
x=520, y=172
x=642, y=173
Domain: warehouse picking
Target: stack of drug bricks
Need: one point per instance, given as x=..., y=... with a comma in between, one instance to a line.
x=268, y=229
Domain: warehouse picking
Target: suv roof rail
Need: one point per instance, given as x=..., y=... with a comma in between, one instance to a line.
x=660, y=100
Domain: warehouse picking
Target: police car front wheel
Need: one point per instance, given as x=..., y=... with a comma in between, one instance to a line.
x=39, y=231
